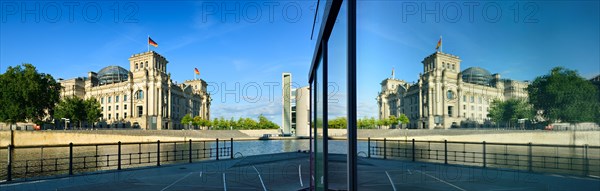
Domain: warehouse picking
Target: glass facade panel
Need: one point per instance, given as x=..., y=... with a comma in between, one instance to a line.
x=319, y=155
x=337, y=102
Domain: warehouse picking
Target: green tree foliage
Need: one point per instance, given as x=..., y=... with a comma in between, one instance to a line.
x=78, y=110
x=185, y=120
x=338, y=123
x=403, y=119
x=265, y=123
x=565, y=96
x=239, y=124
x=372, y=123
x=201, y=122
x=510, y=111
x=27, y=94
x=93, y=110
x=393, y=121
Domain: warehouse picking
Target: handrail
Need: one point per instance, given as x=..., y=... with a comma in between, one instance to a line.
x=106, y=144
x=478, y=143
x=82, y=161
x=576, y=162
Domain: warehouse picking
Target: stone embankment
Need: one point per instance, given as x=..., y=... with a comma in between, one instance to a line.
x=112, y=136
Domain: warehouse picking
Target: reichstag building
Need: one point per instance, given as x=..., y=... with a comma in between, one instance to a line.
x=142, y=97
x=445, y=96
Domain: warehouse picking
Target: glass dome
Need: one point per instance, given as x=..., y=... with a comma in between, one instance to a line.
x=477, y=75
x=112, y=74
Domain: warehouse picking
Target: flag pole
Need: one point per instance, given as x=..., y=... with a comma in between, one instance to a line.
x=441, y=44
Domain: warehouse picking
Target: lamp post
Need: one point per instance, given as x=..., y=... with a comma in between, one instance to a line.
x=66, y=121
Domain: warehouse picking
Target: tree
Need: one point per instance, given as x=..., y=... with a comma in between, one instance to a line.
x=27, y=95
x=403, y=119
x=393, y=121
x=71, y=108
x=510, y=111
x=93, y=111
x=233, y=123
x=563, y=95
x=265, y=123
x=186, y=120
x=78, y=110
x=201, y=122
x=338, y=123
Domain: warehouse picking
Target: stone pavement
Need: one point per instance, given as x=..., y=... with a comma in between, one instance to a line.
x=290, y=171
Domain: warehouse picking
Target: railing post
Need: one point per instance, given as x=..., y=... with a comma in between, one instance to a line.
x=190, y=152
x=384, y=148
x=231, y=147
x=71, y=158
x=9, y=164
x=217, y=149
x=413, y=150
x=445, y=151
x=119, y=156
x=586, y=161
x=369, y=147
x=529, y=158
x=158, y=153
x=484, y=162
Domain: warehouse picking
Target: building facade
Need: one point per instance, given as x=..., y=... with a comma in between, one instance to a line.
x=142, y=97
x=301, y=111
x=444, y=96
x=286, y=102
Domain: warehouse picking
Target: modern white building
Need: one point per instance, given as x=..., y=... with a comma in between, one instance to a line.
x=301, y=111
x=286, y=102
x=142, y=97
x=445, y=96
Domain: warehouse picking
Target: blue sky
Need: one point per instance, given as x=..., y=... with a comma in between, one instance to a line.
x=258, y=48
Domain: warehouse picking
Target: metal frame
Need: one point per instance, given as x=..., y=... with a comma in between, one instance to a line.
x=351, y=75
x=75, y=163
x=330, y=15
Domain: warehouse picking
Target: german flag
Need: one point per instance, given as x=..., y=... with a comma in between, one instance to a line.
x=196, y=71
x=151, y=42
x=439, y=44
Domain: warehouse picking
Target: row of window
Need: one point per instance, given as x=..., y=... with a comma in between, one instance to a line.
x=109, y=99
x=116, y=116
x=138, y=95
x=157, y=65
x=139, y=108
x=116, y=107
x=480, y=100
x=445, y=65
x=473, y=108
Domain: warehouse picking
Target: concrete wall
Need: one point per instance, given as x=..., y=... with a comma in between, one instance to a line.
x=113, y=136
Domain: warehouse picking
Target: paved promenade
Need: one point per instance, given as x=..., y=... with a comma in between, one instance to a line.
x=290, y=171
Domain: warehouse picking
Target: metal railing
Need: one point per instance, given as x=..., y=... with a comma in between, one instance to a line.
x=565, y=159
x=48, y=160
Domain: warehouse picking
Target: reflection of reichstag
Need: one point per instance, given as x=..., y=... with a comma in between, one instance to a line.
x=444, y=96
x=143, y=97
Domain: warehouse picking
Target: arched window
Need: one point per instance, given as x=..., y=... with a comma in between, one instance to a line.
x=450, y=94
x=146, y=64
x=139, y=94
x=136, y=66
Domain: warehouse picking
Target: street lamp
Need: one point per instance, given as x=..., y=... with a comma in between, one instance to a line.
x=66, y=121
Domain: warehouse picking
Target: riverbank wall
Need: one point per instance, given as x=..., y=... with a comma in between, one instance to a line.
x=23, y=138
